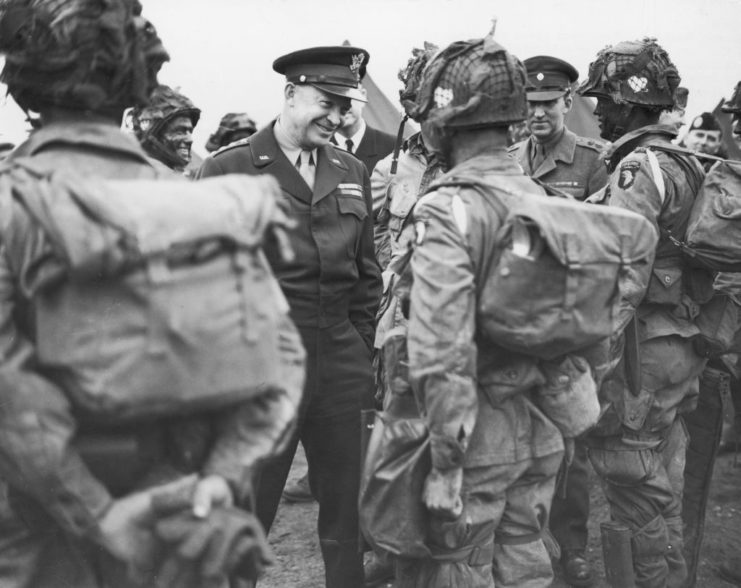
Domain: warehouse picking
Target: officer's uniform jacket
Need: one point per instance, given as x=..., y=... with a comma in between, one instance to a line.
x=394, y=195
x=573, y=165
x=374, y=146
x=37, y=455
x=474, y=394
x=335, y=275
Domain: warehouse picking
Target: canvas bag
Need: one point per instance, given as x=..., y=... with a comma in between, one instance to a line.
x=150, y=298
x=567, y=274
x=713, y=236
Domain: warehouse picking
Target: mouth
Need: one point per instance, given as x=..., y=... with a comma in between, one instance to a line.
x=325, y=129
x=183, y=152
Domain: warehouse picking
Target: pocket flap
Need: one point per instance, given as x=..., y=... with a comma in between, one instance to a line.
x=667, y=276
x=352, y=205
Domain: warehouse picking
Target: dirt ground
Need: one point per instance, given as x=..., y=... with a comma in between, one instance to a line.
x=299, y=560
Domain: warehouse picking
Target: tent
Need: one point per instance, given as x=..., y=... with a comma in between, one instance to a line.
x=581, y=120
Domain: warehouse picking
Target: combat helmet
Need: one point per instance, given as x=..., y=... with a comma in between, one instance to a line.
x=411, y=75
x=79, y=54
x=733, y=104
x=230, y=124
x=633, y=72
x=472, y=84
x=150, y=120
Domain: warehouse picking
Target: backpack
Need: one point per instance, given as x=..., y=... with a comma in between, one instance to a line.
x=566, y=275
x=150, y=298
x=713, y=237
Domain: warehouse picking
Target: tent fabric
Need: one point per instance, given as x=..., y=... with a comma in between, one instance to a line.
x=580, y=119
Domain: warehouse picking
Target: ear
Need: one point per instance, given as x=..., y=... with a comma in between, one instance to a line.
x=289, y=92
x=568, y=102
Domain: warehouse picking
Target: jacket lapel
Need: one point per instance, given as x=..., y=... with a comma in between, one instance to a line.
x=563, y=151
x=329, y=172
x=268, y=157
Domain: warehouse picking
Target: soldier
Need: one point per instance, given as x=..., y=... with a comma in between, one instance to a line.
x=733, y=106
x=234, y=126
x=494, y=456
x=333, y=287
x=638, y=447
x=706, y=136
x=396, y=184
x=164, y=127
x=79, y=513
x=553, y=154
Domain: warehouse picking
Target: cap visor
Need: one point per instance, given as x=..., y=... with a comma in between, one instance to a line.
x=342, y=91
x=545, y=95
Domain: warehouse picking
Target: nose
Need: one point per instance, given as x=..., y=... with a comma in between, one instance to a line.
x=335, y=116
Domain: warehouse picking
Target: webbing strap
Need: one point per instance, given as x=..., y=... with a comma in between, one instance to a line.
x=474, y=555
x=503, y=539
x=658, y=177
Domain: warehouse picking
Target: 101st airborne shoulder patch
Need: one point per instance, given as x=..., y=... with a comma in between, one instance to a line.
x=628, y=171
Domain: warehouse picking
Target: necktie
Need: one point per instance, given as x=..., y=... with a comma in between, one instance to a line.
x=305, y=165
x=538, y=156
x=349, y=144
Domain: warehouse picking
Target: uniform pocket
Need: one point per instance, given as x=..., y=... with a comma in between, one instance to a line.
x=665, y=286
x=623, y=468
x=353, y=213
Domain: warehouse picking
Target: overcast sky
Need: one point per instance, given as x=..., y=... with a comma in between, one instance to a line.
x=222, y=50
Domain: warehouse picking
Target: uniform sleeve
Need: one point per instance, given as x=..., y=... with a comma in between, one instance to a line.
x=210, y=167
x=261, y=428
x=633, y=187
x=442, y=352
x=380, y=183
x=366, y=293
x=36, y=432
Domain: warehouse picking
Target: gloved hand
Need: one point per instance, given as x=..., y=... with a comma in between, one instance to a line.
x=442, y=493
x=206, y=551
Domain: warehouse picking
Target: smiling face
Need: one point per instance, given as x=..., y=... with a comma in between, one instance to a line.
x=545, y=118
x=178, y=136
x=703, y=140
x=311, y=116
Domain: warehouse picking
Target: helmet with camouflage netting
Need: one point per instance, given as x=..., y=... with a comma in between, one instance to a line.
x=472, y=84
x=164, y=105
x=411, y=75
x=98, y=55
x=635, y=72
x=230, y=125
x=733, y=104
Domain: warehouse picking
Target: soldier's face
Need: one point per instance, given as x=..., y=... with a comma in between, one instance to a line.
x=610, y=116
x=703, y=141
x=311, y=116
x=545, y=118
x=178, y=136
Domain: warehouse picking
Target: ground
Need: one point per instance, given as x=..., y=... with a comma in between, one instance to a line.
x=299, y=561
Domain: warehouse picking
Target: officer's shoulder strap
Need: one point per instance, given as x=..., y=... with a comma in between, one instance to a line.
x=230, y=146
x=589, y=143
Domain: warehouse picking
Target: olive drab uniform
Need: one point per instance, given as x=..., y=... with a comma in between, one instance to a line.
x=62, y=474
x=394, y=195
x=333, y=287
x=476, y=398
x=572, y=164
x=638, y=447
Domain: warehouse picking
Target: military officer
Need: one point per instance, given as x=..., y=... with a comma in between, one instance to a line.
x=553, y=154
x=563, y=160
x=333, y=287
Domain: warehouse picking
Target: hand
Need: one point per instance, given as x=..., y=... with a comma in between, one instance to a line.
x=442, y=493
x=209, y=492
x=125, y=530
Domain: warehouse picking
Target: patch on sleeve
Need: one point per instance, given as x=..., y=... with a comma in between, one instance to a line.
x=420, y=230
x=628, y=172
